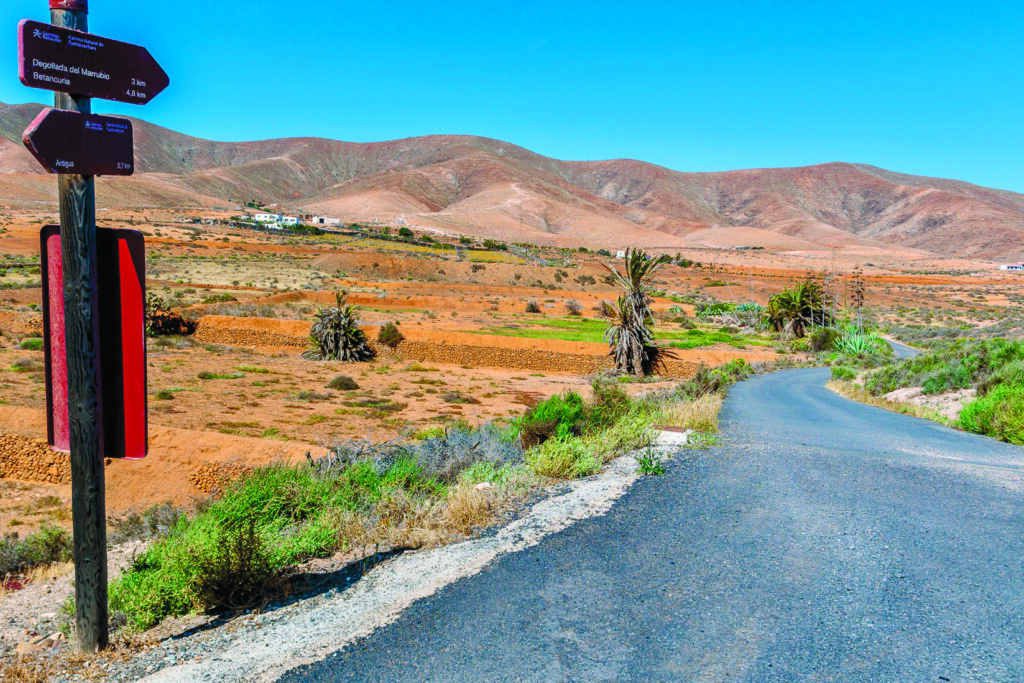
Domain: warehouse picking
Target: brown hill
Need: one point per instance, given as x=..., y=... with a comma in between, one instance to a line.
x=495, y=189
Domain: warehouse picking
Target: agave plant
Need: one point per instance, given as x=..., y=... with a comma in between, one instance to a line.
x=336, y=335
x=854, y=343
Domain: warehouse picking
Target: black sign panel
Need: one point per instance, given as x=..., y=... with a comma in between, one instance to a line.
x=83, y=144
x=56, y=58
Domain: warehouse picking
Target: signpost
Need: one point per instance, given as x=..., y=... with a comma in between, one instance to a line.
x=68, y=142
x=62, y=56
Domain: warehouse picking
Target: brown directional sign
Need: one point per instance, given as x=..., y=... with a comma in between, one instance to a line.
x=83, y=144
x=56, y=58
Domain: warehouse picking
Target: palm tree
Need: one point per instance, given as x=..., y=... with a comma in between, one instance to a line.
x=630, y=335
x=336, y=334
x=795, y=310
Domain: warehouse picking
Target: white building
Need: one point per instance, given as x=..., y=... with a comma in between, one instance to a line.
x=266, y=218
x=1012, y=266
x=288, y=220
x=323, y=220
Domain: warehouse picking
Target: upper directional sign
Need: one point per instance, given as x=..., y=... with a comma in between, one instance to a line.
x=80, y=63
x=86, y=144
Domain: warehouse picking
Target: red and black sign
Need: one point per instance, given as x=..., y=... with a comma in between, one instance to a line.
x=61, y=59
x=121, y=267
x=83, y=144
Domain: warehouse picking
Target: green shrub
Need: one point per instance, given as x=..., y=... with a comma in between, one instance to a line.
x=560, y=416
x=609, y=404
x=165, y=395
x=824, y=338
x=564, y=458
x=999, y=414
x=46, y=546
x=237, y=571
x=33, y=344
x=532, y=306
x=843, y=373
x=342, y=383
x=714, y=380
x=218, y=299
x=389, y=335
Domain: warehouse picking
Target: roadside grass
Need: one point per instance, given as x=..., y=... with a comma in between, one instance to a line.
x=242, y=549
x=856, y=392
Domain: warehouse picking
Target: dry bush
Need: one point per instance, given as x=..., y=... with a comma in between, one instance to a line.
x=27, y=669
x=468, y=508
x=700, y=414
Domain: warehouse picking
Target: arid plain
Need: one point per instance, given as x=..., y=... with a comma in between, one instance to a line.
x=471, y=352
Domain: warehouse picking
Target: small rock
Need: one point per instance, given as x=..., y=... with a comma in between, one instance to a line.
x=483, y=486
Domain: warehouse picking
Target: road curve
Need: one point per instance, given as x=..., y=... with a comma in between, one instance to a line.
x=822, y=540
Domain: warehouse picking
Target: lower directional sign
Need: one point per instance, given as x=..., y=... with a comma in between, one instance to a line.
x=82, y=144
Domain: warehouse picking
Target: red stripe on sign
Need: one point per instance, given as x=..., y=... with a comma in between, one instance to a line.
x=71, y=5
x=133, y=346
x=121, y=271
x=57, y=376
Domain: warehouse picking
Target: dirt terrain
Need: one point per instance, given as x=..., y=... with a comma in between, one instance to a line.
x=467, y=354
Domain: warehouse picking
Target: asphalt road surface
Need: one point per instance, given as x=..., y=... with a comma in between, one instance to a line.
x=822, y=540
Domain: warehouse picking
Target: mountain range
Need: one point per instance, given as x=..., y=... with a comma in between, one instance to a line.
x=489, y=188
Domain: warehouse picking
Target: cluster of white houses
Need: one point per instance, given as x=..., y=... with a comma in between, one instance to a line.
x=275, y=221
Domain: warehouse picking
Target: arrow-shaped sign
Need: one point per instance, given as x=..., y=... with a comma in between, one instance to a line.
x=84, y=144
x=56, y=58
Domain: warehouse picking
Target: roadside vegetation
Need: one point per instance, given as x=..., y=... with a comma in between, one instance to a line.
x=248, y=546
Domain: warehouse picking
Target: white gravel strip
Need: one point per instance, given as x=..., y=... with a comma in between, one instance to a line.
x=299, y=634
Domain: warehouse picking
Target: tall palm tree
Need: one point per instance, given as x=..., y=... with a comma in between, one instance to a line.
x=630, y=335
x=795, y=310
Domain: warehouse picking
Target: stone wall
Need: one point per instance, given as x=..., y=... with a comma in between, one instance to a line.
x=256, y=332
x=32, y=460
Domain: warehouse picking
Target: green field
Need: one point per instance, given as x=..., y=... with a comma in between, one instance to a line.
x=592, y=330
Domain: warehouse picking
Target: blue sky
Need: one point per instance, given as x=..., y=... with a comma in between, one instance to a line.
x=927, y=88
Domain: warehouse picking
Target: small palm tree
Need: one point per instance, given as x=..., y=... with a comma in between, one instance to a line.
x=795, y=310
x=336, y=334
x=630, y=335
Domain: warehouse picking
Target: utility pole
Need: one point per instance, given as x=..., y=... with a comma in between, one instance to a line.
x=77, y=197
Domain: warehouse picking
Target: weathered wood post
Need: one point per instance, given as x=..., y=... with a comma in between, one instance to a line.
x=77, y=197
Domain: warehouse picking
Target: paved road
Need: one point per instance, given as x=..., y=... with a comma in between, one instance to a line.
x=902, y=350
x=822, y=540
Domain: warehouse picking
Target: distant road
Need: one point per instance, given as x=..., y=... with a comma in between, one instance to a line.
x=822, y=540
x=902, y=350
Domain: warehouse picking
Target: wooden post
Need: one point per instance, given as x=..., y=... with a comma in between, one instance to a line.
x=77, y=197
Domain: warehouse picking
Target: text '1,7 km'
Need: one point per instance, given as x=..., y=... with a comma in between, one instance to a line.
x=61, y=59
